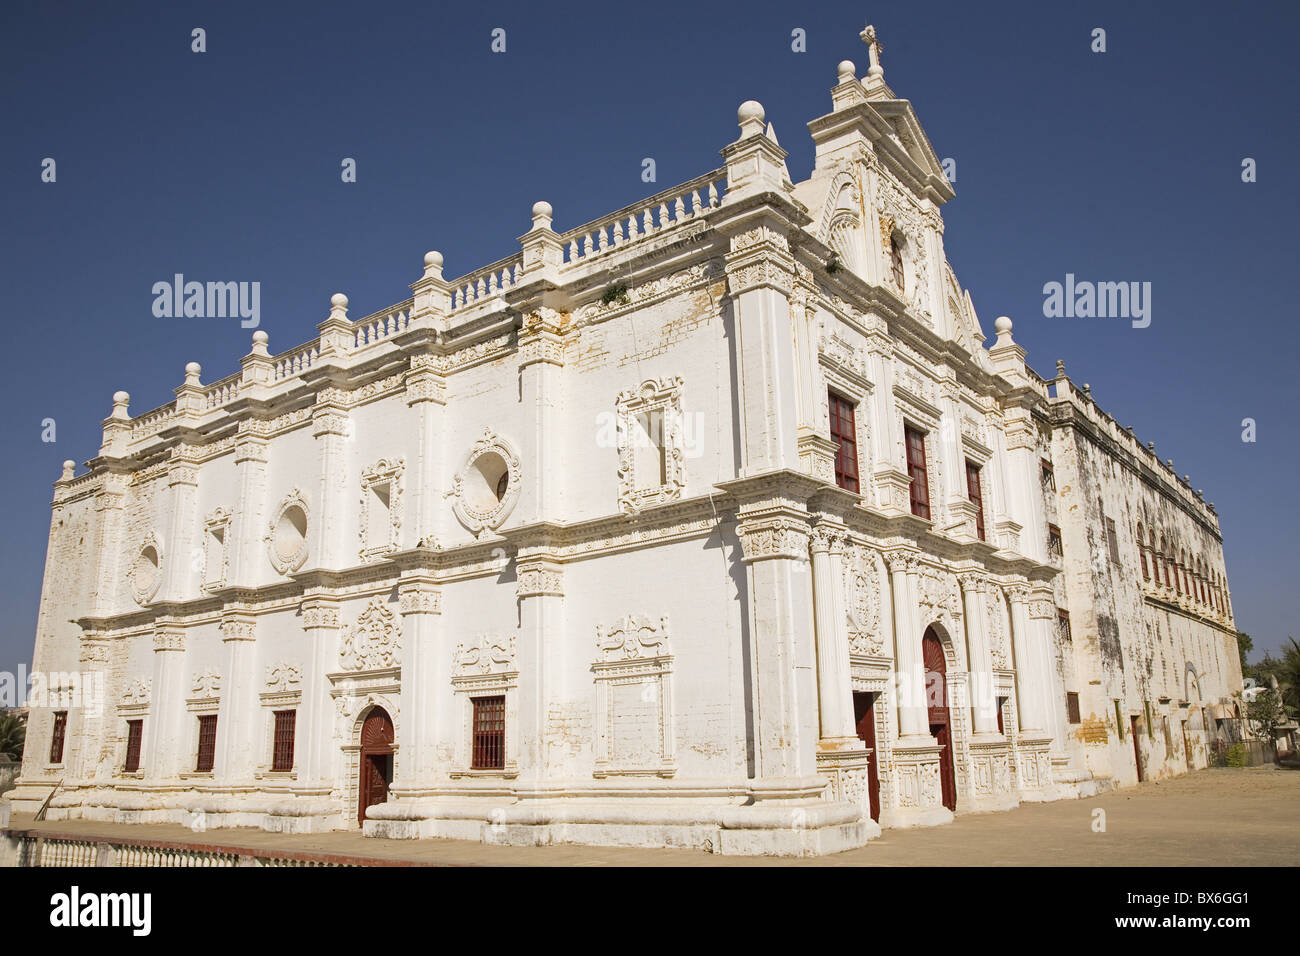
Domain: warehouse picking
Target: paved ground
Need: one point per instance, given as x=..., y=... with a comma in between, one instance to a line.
x=1240, y=817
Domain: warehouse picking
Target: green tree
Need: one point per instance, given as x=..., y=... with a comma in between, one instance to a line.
x=1288, y=674
x=13, y=732
x=1244, y=646
x=1265, y=714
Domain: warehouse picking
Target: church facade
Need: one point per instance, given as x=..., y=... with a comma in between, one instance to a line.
x=715, y=523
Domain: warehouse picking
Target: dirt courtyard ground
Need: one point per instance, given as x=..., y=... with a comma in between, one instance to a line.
x=1237, y=817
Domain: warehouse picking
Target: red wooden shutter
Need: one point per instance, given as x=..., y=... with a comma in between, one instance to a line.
x=134, y=734
x=976, y=497
x=60, y=731
x=282, y=755
x=207, y=743
x=489, y=733
x=845, y=435
x=919, y=491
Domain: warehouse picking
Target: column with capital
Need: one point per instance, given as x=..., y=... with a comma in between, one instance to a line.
x=540, y=592
x=841, y=756
x=425, y=677
x=168, y=753
x=834, y=684
x=990, y=783
x=237, y=717
x=314, y=735
x=983, y=697
x=1035, y=738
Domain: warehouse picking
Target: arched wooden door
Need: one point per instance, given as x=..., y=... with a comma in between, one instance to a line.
x=936, y=689
x=376, y=761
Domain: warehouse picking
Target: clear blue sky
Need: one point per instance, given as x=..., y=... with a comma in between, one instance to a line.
x=225, y=166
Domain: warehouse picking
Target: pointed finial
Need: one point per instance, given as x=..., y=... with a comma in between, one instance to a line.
x=869, y=37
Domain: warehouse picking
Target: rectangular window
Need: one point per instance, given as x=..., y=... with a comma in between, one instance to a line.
x=1047, y=475
x=651, y=468
x=844, y=433
x=1072, y=707
x=282, y=752
x=60, y=731
x=1053, y=541
x=1063, y=625
x=976, y=497
x=1112, y=541
x=920, y=487
x=207, y=743
x=489, y=733
x=134, y=734
x=1119, y=721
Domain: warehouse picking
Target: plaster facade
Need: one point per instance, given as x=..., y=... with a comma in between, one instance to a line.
x=595, y=485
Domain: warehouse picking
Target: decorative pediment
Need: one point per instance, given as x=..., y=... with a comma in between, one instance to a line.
x=633, y=638
x=137, y=693
x=283, y=676
x=206, y=684
x=374, y=641
x=485, y=654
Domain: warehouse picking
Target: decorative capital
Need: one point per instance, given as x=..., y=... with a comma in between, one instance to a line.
x=539, y=577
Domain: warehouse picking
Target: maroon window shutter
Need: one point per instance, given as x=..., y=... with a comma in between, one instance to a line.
x=207, y=743
x=919, y=491
x=134, y=734
x=489, y=751
x=282, y=755
x=60, y=731
x=976, y=497
x=844, y=433
x=1072, y=707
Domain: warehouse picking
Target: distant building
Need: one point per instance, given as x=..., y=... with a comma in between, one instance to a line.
x=709, y=523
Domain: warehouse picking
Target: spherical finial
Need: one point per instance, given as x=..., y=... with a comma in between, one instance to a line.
x=1002, y=324
x=193, y=368
x=260, y=338
x=339, y=301
x=69, y=469
x=433, y=259
x=121, y=398
x=750, y=111
x=847, y=70
x=542, y=210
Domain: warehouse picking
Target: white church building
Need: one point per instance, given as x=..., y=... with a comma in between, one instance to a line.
x=716, y=522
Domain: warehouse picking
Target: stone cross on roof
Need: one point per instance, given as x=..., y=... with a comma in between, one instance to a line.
x=869, y=37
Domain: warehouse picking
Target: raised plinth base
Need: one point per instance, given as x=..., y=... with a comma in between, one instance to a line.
x=918, y=798
x=1034, y=769
x=791, y=822
x=991, y=786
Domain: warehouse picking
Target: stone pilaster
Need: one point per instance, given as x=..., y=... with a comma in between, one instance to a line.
x=834, y=685
x=990, y=756
x=1033, y=744
x=248, y=547
x=426, y=679
x=332, y=428
x=540, y=361
x=426, y=394
x=186, y=556
x=540, y=591
x=321, y=623
x=918, y=800
x=239, y=712
x=169, y=750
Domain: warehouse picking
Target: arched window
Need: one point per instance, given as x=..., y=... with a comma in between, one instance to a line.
x=1167, y=557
